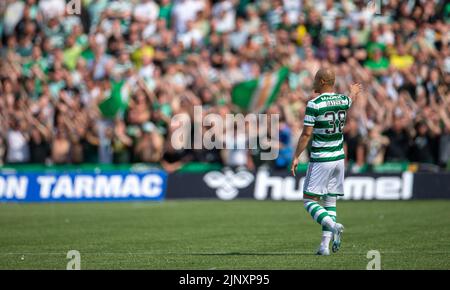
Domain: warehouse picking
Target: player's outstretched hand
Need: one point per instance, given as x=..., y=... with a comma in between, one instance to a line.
x=294, y=166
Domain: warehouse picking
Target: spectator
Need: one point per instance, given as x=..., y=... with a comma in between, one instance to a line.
x=378, y=64
x=239, y=36
x=17, y=138
x=353, y=146
x=186, y=10
x=224, y=16
x=399, y=141
x=39, y=140
x=401, y=60
x=375, y=146
x=237, y=155
x=121, y=143
x=150, y=145
x=423, y=144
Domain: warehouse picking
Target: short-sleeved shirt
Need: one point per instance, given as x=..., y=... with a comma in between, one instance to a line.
x=327, y=114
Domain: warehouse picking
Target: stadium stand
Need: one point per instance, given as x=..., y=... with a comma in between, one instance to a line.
x=168, y=56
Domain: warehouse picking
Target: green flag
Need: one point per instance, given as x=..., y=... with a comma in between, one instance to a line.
x=257, y=95
x=116, y=102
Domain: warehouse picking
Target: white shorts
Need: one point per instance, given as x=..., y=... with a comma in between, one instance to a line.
x=325, y=178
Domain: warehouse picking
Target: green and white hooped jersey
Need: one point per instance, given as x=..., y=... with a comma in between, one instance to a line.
x=327, y=114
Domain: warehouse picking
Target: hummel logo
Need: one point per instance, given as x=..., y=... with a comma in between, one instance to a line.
x=228, y=182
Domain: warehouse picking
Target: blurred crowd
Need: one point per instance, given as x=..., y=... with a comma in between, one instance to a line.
x=58, y=65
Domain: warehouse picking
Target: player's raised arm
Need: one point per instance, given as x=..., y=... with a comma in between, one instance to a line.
x=301, y=145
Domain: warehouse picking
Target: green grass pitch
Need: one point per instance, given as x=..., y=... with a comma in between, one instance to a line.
x=221, y=235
